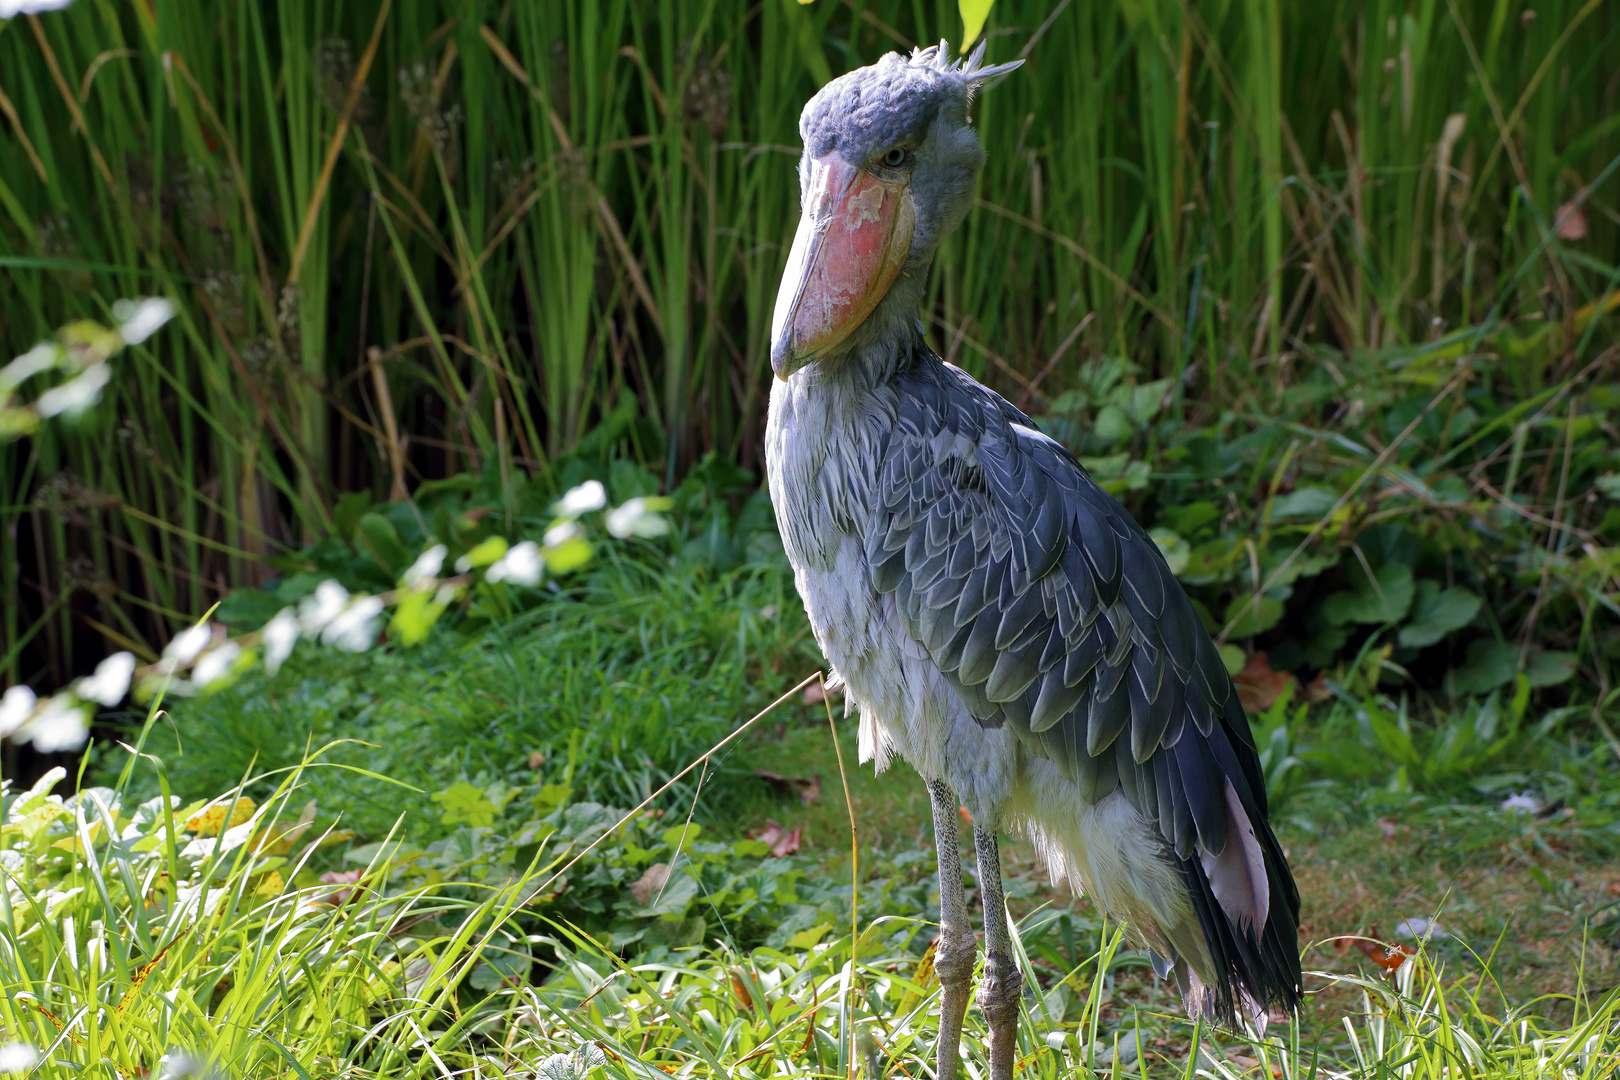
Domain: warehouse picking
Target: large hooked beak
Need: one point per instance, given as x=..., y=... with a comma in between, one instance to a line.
x=853, y=239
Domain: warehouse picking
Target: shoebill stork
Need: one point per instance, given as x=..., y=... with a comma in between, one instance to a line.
x=998, y=620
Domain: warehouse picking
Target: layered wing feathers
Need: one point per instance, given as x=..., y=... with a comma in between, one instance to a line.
x=1052, y=612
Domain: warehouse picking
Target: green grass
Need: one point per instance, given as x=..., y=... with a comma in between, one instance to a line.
x=169, y=941
x=615, y=684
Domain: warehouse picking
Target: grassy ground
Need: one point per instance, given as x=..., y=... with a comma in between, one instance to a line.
x=666, y=664
x=1526, y=908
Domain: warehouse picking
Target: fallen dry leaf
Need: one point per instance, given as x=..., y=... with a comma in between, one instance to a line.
x=779, y=838
x=962, y=812
x=1389, y=827
x=807, y=788
x=648, y=885
x=1571, y=219
x=1317, y=689
x=1258, y=686
x=340, y=877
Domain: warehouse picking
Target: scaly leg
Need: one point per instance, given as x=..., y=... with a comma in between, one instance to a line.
x=1003, y=983
x=954, y=955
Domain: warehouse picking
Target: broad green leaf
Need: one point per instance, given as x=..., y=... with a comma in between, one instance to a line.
x=1254, y=615
x=465, y=803
x=1233, y=658
x=1490, y=664
x=1175, y=550
x=1550, y=668
x=1307, y=502
x=569, y=555
x=1111, y=424
x=1145, y=401
x=377, y=536
x=1384, y=600
x=1436, y=612
x=974, y=12
x=487, y=552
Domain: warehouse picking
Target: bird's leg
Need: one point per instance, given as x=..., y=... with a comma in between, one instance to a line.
x=1003, y=984
x=954, y=955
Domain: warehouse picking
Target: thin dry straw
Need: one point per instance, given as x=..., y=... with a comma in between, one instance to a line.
x=701, y=759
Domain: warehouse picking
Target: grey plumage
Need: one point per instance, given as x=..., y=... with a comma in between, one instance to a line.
x=1001, y=621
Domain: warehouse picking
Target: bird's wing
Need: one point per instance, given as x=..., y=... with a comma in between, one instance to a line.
x=1052, y=612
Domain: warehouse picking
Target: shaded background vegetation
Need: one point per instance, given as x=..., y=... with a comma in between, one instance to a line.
x=1323, y=291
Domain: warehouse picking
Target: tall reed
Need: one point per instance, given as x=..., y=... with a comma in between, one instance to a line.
x=429, y=233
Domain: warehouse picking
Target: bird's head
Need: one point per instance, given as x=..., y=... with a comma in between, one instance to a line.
x=888, y=169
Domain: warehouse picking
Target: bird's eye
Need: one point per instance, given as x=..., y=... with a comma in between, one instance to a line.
x=895, y=157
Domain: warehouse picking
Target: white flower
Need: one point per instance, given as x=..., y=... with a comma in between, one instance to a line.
x=321, y=607
x=426, y=568
x=59, y=725
x=355, y=627
x=15, y=707
x=140, y=319
x=521, y=565
x=590, y=495
x=16, y=1057
x=185, y=646
x=562, y=532
x=1521, y=803
x=42, y=357
x=110, y=682
x=279, y=635
x=634, y=519
x=215, y=664
x=10, y=8
x=76, y=394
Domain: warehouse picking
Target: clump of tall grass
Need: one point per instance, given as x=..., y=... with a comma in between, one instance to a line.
x=411, y=240
x=161, y=939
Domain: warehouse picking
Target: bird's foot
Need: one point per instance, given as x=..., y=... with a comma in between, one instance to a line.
x=954, y=957
x=999, y=995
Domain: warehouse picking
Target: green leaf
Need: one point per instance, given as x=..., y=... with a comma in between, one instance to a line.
x=1307, y=502
x=1490, y=664
x=1254, y=616
x=1550, y=668
x=1175, y=550
x=377, y=536
x=1145, y=401
x=1234, y=658
x=1384, y=600
x=1111, y=424
x=1437, y=612
x=487, y=552
x=465, y=803
x=974, y=12
x=1609, y=485
x=569, y=555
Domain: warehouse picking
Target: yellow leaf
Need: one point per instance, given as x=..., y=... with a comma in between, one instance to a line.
x=212, y=820
x=974, y=12
x=270, y=885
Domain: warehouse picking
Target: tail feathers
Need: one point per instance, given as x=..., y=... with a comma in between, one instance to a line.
x=1252, y=971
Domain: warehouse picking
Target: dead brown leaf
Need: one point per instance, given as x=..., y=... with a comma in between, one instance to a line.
x=779, y=838
x=1317, y=689
x=648, y=884
x=807, y=788
x=1258, y=686
x=1571, y=219
x=341, y=877
x=1389, y=827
